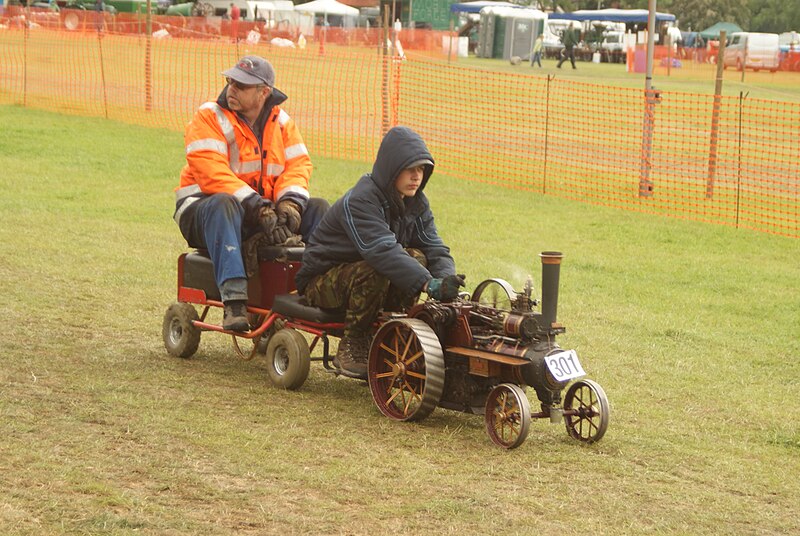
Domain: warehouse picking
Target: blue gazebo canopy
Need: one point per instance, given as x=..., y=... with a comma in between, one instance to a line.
x=475, y=7
x=612, y=15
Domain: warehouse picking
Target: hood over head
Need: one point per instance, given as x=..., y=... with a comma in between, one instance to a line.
x=401, y=148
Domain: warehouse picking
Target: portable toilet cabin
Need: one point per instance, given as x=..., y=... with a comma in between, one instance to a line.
x=508, y=31
x=492, y=31
x=522, y=28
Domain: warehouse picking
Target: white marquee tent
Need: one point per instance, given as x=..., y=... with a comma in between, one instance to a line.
x=327, y=7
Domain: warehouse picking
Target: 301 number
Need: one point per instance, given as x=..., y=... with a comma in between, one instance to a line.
x=564, y=365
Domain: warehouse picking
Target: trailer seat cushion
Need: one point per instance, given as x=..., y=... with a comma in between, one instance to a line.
x=280, y=253
x=295, y=306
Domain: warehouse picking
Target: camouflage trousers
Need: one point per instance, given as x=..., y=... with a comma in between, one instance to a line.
x=361, y=292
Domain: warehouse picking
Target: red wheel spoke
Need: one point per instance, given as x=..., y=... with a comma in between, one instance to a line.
x=392, y=352
x=403, y=399
x=411, y=389
x=389, y=390
x=413, y=358
x=407, y=345
x=408, y=404
x=415, y=375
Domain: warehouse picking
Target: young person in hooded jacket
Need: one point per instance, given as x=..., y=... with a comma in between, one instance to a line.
x=378, y=248
x=247, y=171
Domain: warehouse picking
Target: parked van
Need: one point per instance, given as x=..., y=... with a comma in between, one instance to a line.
x=613, y=46
x=748, y=50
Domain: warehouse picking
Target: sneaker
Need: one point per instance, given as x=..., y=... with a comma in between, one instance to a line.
x=351, y=357
x=235, y=316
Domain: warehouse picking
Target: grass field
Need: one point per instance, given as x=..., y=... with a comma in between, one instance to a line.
x=692, y=77
x=690, y=328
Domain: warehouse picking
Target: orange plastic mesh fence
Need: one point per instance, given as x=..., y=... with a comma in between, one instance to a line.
x=730, y=160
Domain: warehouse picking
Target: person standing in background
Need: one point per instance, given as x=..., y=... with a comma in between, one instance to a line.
x=236, y=14
x=569, y=39
x=536, y=57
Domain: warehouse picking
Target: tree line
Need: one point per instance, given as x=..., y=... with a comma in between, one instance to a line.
x=774, y=16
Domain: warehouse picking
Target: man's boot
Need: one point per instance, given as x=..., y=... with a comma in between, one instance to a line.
x=351, y=357
x=235, y=316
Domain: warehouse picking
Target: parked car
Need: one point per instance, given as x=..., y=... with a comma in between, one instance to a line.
x=750, y=50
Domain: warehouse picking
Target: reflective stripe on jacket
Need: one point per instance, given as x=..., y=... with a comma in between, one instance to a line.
x=223, y=155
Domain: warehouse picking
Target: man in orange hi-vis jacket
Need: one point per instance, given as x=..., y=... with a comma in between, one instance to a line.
x=247, y=171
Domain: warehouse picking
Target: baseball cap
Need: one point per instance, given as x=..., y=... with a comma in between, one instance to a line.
x=252, y=70
x=420, y=162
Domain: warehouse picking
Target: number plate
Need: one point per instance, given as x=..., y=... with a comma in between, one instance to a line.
x=564, y=365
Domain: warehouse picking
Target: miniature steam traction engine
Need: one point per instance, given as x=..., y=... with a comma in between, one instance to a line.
x=476, y=354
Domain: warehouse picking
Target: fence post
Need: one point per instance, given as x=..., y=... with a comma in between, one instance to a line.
x=739, y=166
x=450, y=36
x=712, y=151
x=103, y=73
x=669, y=53
x=650, y=99
x=148, y=59
x=25, y=64
x=546, y=132
x=646, y=159
x=385, y=103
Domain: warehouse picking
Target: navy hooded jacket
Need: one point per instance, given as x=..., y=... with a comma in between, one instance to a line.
x=372, y=222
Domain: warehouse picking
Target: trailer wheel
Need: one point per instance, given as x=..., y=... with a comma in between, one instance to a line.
x=496, y=293
x=288, y=359
x=181, y=336
x=589, y=401
x=406, y=369
x=507, y=415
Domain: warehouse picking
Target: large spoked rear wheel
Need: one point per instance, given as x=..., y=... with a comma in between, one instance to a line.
x=496, y=293
x=288, y=359
x=507, y=415
x=181, y=337
x=593, y=412
x=406, y=369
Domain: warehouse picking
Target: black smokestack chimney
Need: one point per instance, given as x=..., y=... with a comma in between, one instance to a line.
x=551, y=267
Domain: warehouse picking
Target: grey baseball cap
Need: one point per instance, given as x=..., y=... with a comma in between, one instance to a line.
x=252, y=70
x=420, y=162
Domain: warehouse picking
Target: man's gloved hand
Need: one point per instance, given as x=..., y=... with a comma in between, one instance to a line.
x=446, y=288
x=267, y=219
x=281, y=234
x=289, y=214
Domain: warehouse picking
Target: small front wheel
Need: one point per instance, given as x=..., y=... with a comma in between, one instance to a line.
x=591, y=410
x=181, y=336
x=507, y=415
x=288, y=359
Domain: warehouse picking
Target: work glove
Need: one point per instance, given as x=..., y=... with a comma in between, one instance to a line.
x=289, y=215
x=267, y=220
x=446, y=288
x=281, y=234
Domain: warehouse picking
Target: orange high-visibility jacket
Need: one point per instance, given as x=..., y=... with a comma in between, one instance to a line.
x=224, y=156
